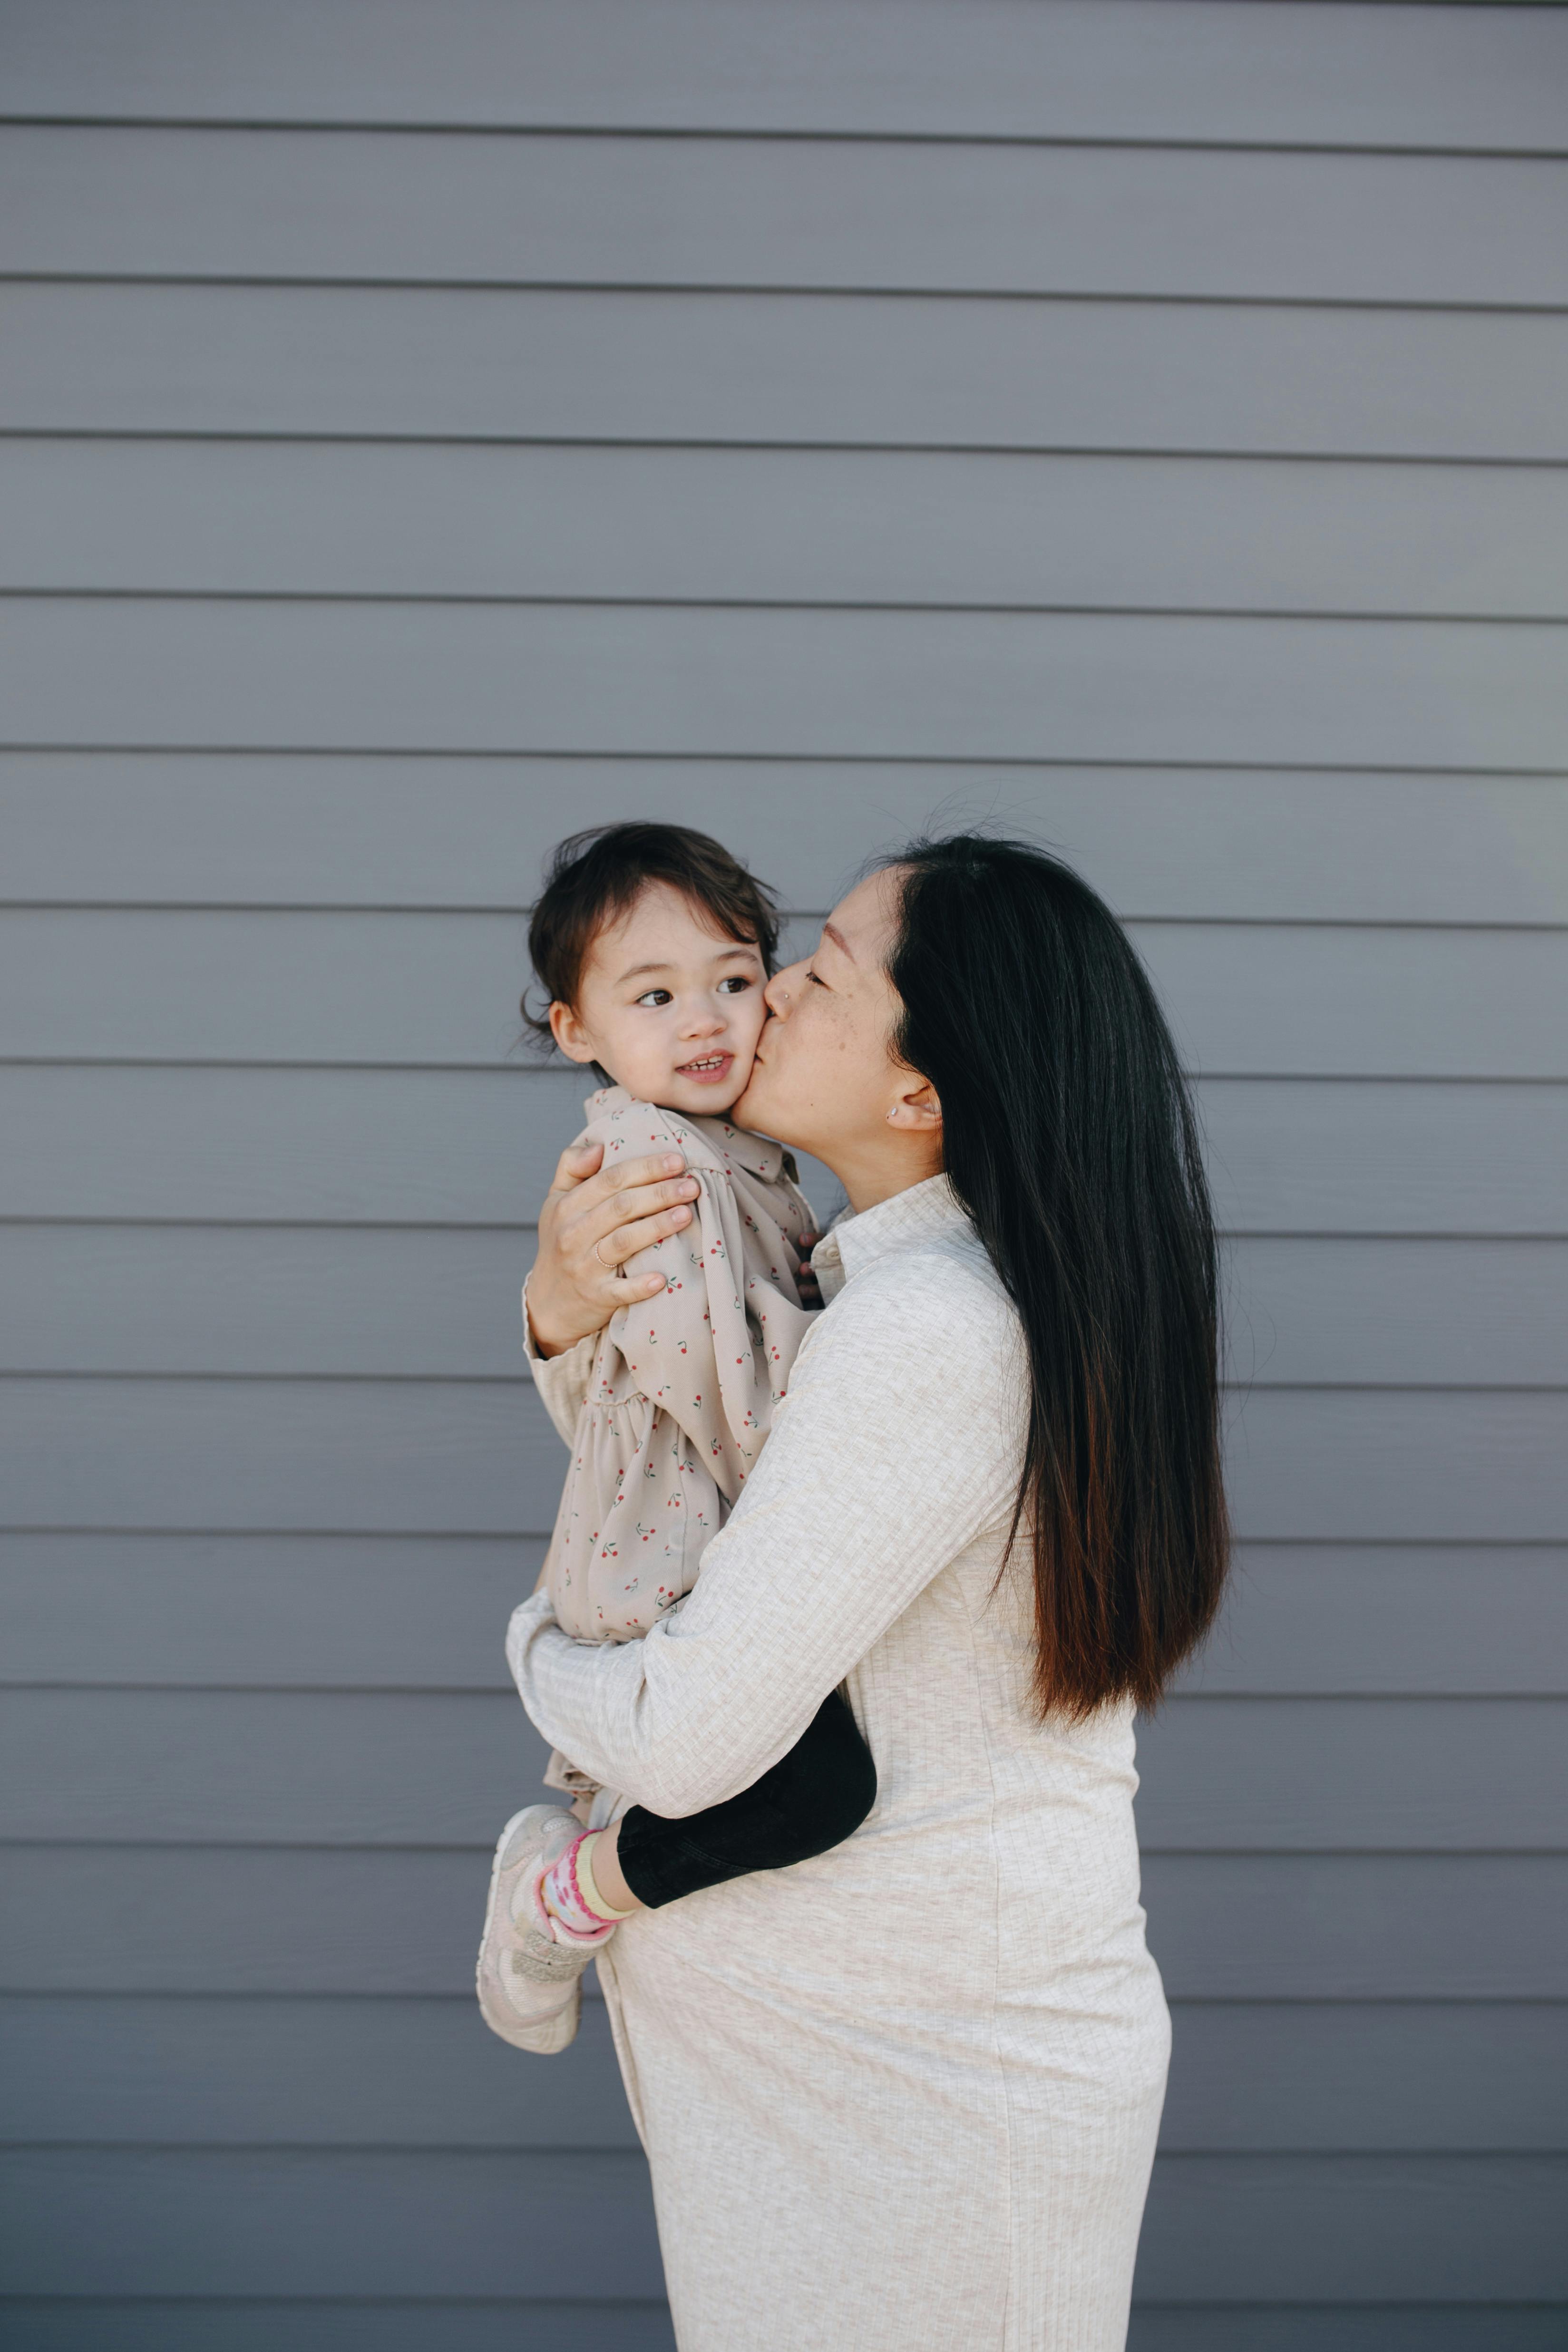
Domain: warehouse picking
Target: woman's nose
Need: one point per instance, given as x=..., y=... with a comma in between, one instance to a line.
x=781, y=988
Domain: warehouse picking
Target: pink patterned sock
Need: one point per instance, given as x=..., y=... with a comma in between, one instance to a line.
x=563, y=1894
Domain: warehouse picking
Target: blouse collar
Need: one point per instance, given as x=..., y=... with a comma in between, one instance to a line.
x=901, y=1223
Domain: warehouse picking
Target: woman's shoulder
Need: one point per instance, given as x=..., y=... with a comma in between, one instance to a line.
x=936, y=1305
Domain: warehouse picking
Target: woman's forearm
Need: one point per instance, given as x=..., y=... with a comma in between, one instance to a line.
x=640, y=1740
x=861, y=1497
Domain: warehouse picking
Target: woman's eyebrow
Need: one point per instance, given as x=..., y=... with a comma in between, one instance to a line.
x=831, y=931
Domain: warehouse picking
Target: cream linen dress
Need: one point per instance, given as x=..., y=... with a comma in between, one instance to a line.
x=902, y=2098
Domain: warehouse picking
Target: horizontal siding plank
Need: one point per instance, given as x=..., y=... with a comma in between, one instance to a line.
x=466, y=1147
x=194, y=2324
x=1347, y=2229
x=793, y=525
x=339, y=1769
x=267, y=1920
x=950, y=217
x=345, y=830
x=1393, y=1466
x=327, y=1300
x=1454, y=1618
x=171, y=1299
x=957, y=372
x=1408, y=1159
x=232, y=2324
x=1314, y=1773
x=1272, y=2077
x=254, y=2223
x=1333, y=2327
x=673, y=679
x=305, y=1612
x=476, y=1457
x=428, y=1613
x=261, y=2222
x=480, y=1458
x=358, y=2073
x=229, y=1920
x=361, y=1768
x=1350, y=1927
x=1248, y=1000
x=1336, y=2077
x=1146, y=70
x=1469, y=1312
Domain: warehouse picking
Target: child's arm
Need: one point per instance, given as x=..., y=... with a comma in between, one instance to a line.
x=679, y=1402
x=562, y=1381
x=807, y=1804
x=714, y=1368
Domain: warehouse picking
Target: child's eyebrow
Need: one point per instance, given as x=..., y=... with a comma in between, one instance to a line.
x=636, y=970
x=640, y=971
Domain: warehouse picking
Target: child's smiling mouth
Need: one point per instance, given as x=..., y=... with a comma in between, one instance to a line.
x=707, y=1070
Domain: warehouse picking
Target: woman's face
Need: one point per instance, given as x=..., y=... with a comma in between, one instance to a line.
x=824, y=1080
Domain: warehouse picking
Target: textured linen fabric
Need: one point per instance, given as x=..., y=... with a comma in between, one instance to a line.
x=889, y=2106
x=680, y=1395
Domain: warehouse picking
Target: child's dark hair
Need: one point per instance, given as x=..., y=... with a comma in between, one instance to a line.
x=592, y=878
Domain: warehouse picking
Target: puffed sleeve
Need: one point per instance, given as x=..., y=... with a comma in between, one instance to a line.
x=712, y=1350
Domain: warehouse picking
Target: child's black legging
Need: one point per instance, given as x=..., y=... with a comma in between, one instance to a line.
x=812, y=1798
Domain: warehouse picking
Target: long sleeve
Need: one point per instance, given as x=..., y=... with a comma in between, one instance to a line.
x=681, y=1391
x=869, y=1487
x=562, y=1381
x=714, y=1349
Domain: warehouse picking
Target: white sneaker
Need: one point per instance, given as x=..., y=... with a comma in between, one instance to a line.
x=530, y=1972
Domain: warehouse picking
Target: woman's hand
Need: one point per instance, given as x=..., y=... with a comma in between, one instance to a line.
x=592, y=1220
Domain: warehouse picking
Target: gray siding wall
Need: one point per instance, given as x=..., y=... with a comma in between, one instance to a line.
x=426, y=427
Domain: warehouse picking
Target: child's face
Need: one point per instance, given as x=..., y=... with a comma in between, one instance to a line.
x=669, y=1009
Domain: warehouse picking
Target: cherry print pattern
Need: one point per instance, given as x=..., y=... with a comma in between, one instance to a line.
x=684, y=1386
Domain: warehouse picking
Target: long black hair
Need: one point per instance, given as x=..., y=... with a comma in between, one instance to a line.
x=1070, y=1138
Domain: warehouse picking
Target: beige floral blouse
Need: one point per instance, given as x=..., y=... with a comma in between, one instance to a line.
x=682, y=1394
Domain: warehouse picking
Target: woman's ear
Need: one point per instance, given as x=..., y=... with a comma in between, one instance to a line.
x=569, y=1033
x=915, y=1105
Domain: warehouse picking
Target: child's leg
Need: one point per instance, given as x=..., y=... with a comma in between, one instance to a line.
x=810, y=1801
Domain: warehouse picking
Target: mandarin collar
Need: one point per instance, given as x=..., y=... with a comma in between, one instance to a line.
x=737, y=1145
x=908, y=1218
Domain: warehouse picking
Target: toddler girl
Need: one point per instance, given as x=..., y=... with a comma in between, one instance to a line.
x=653, y=945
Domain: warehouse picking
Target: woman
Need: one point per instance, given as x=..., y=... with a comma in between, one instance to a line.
x=906, y=2096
